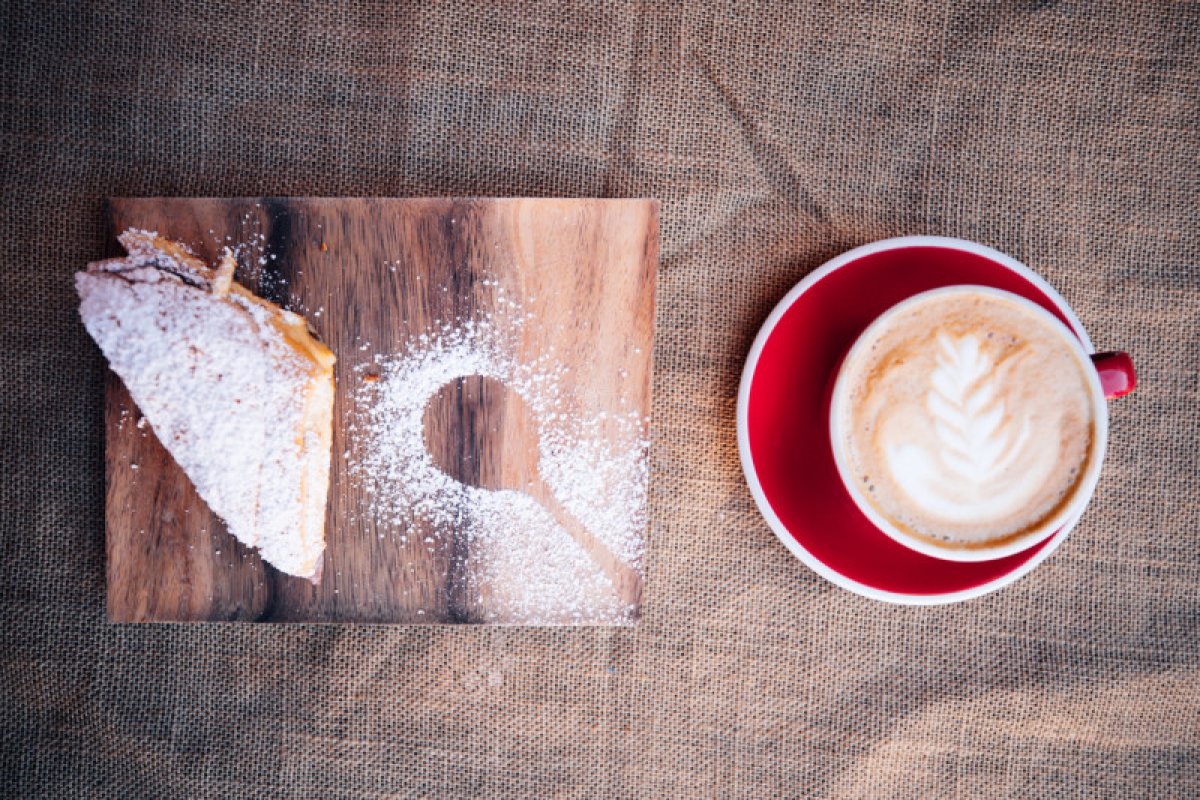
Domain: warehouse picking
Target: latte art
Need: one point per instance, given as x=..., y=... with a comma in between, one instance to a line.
x=966, y=418
x=981, y=460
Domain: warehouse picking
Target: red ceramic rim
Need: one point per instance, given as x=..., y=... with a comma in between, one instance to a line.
x=783, y=416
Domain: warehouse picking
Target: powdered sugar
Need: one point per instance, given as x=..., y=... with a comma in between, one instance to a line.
x=523, y=567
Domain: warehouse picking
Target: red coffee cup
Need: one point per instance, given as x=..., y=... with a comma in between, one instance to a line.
x=1047, y=325
x=783, y=415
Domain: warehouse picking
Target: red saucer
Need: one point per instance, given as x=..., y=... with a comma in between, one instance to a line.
x=783, y=416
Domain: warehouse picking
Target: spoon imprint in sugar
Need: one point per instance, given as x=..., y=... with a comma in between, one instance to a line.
x=483, y=434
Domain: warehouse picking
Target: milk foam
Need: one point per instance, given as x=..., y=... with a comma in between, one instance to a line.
x=968, y=419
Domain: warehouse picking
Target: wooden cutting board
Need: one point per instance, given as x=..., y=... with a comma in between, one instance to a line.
x=571, y=285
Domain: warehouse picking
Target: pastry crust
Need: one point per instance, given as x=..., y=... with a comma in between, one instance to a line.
x=238, y=390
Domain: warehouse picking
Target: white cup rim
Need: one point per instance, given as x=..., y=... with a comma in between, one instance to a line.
x=1087, y=485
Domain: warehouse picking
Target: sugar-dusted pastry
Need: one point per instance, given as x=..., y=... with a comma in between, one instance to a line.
x=237, y=389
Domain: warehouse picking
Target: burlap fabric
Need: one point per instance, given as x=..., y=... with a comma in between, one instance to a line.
x=776, y=136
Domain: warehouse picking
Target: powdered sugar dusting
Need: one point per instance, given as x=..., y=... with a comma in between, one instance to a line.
x=522, y=567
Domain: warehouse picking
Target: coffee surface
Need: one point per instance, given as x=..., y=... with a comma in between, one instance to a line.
x=966, y=419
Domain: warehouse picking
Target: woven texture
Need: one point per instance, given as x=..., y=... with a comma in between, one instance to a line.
x=776, y=135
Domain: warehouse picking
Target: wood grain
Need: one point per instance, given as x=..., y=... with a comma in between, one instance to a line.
x=371, y=275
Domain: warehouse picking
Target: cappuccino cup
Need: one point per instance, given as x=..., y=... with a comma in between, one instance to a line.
x=968, y=423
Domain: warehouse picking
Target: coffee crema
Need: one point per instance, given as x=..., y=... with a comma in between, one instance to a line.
x=965, y=418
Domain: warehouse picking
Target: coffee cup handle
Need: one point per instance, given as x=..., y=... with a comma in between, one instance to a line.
x=1117, y=377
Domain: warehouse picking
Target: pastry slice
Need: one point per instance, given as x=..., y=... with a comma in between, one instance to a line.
x=236, y=388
